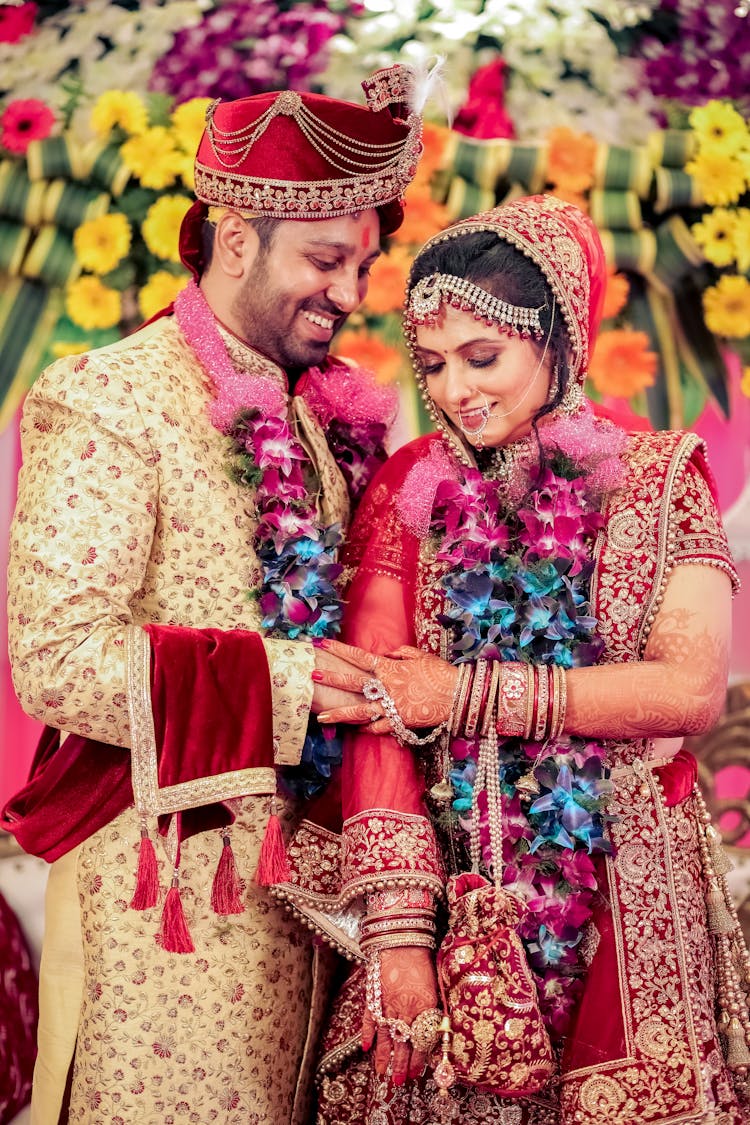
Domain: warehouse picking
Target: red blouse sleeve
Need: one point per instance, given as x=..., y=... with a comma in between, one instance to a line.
x=387, y=832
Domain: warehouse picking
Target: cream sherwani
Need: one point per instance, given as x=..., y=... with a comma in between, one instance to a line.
x=126, y=516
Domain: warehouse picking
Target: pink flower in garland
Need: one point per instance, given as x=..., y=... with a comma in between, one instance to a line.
x=16, y=20
x=558, y=520
x=23, y=121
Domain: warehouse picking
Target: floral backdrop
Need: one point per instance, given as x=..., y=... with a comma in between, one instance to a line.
x=637, y=110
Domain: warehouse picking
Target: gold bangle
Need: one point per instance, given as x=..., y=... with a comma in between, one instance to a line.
x=530, y=676
x=562, y=703
x=397, y=941
x=463, y=686
x=511, y=707
x=542, y=703
x=475, y=702
x=554, y=707
x=490, y=707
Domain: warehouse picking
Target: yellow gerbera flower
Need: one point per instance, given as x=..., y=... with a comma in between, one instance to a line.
x=101, y=243
x=727, y=306
x=91, y=304
x=741, y=237
x=159, y=291
x=152, y=157
x=720, y=177
x=187, y=171
x=62, y=348
x=119, y=108
x=715, y=235
x=161, y=227
x=718, y=125
x=188, y=122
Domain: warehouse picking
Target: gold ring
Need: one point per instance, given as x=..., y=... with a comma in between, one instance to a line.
x=425, y=1029
x=399, y=1030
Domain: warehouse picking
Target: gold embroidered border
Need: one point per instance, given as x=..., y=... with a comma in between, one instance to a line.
x=150, y=799
x=314, y=199
x=383, y=848
x=660, y=1076
x=313, y=892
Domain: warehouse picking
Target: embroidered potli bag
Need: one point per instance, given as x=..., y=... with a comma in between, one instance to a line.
x=498, y=1041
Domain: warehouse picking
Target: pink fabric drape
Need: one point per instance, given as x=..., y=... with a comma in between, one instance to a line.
x=18, y=733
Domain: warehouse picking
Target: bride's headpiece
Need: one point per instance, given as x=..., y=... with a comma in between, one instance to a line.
x=564, y=245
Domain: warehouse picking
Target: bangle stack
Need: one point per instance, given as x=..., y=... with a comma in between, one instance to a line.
x=527, y=701
x=398, y=918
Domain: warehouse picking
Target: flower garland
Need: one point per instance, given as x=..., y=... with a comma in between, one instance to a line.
x=517, y=588
x=298, y=594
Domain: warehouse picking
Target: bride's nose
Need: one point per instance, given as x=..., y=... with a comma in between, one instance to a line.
x=457, y=388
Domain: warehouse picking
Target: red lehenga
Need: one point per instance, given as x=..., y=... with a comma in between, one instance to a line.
x=643, y=1044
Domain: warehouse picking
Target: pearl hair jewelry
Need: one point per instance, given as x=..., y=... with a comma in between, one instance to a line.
x=428, y=295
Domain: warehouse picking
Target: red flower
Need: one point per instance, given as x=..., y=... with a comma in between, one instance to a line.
x=483, y=114
x=16, y=20
x=25, y=120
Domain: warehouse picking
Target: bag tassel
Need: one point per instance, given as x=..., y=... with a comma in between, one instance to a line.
x=720, y=921
x=146, y=893
x=720, y=861
x=174, y=935
x=737, y=1051
x=226, y=892
x=273, y=866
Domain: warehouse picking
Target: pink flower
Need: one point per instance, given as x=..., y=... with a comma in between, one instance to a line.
x=483, y=114
x=25, y=120
x=16, y=20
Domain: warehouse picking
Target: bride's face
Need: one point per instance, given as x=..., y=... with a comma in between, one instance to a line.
x=471, y=369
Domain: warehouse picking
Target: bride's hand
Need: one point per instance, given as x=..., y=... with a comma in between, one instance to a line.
x=409, y=986
x=421, y=685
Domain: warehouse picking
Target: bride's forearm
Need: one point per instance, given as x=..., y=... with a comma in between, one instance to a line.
x=678, y=690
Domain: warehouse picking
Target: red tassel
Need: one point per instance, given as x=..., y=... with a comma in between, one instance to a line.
x=273, y=866
x=226, y=892
x=174, y=936
x=146, y=893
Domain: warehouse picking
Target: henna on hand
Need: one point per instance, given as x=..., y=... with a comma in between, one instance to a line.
x=409, y=986
x=421, y=684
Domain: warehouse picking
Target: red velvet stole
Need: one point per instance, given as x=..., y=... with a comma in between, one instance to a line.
x=211, y=703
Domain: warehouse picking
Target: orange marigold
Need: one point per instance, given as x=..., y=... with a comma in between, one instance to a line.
x=434, y=141
x=574, y=197
x=570, y=162
x=616, y=294
x=385, y=292
x=622, y=364
x=423, y=217
x=369, y=351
